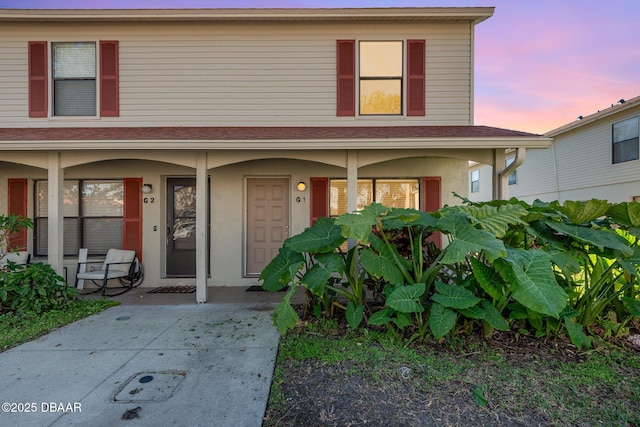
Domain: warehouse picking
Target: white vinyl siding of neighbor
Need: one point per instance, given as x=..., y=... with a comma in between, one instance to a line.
x=582, y=167
x=241, y=74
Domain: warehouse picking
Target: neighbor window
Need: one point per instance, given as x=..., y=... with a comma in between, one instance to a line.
x=475, y=181
x=93, y=216
x=394, y=193
x=513, y=176
x=74, y=79
x=380, y=77
x=625, y=140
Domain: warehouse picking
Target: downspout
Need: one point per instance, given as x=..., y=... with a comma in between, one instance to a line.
x=503, y=185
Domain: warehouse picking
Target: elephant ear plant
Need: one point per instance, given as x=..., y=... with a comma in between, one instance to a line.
x=542, y=269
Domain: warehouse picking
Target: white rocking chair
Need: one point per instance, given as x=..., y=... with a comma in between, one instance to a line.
x=119, y=264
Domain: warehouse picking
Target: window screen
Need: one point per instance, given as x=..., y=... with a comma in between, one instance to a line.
x=74, y=79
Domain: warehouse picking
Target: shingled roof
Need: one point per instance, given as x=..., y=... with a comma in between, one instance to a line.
x=252, y=133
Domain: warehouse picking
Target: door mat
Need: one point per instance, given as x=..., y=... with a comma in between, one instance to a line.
x=173, y=290
x=257, y=288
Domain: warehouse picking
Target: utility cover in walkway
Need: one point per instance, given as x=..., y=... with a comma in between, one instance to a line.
x=150, y=387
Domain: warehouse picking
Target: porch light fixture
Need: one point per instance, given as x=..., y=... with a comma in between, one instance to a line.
x=146, y=189
x=302, y=186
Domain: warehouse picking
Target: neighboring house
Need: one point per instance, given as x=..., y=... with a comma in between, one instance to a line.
x=596, y=156
x=203, y=138
x=482, y=182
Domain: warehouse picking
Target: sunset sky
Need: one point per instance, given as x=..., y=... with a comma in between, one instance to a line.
x=538, y=64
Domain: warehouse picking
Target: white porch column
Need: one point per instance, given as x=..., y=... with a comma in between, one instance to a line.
x=202, y=251
x=55, y=213
x=352, y=180
x=352, y=186
x=499, y=189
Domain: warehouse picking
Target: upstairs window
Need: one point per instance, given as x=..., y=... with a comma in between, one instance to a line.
x=380, y=77
x=475, y=181
x=74, y=79
x=625, y=140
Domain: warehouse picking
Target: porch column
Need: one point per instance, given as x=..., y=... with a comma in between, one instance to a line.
x=352, y=186
x=352, y=180
x=499, y=189
x=202, y=251
x=55, y=213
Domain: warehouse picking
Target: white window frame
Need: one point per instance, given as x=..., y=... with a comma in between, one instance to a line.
x=403, y=79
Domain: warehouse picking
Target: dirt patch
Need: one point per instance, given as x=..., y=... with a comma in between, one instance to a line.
x=515, y=379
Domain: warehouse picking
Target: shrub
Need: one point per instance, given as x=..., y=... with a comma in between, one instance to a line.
x=542, y=268
x=32, y=288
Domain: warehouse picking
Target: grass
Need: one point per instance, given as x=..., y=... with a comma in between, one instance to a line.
x=16, y=329
x=600, y=388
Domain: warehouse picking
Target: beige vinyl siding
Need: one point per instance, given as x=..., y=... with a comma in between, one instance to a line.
x=213, y=74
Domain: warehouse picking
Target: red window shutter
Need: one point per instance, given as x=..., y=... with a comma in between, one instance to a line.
x=109, y=79
x=319, y=190
x=416, y=64
x=17, y=206
x=38, y=77
x=432, y=201
x=132, y=227
x=346, y=88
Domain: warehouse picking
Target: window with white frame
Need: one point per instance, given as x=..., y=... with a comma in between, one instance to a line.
x=513, y=176
x=93, y=216
x=625, y=140
x=475, y=181
x=74, y=78
x=380, y=78
x=395, y=193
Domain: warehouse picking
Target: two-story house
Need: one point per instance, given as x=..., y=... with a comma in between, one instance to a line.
x=594, y=156
x=203, y=138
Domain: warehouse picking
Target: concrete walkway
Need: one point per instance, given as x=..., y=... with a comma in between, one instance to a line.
x=147, y=365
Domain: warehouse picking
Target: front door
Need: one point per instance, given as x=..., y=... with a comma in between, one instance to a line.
x=181, y=227
x=267, y=221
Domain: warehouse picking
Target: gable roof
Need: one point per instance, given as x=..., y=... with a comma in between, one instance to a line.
x=622, y=105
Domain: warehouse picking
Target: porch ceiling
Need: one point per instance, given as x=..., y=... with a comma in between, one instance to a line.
x=267, y=138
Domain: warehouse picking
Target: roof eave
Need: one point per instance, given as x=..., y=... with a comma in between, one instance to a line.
x=473, y=14
x=292, y=144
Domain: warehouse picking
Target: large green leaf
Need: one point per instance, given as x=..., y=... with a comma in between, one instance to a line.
x=567, y=262
x=531, y=278
x=398, y=218
x=496, y=220
x=601, y=238
x=381, y=317
x=316, y=279
x=402, y=320
x=354, y=314
x=584, y=212
x=284, y=316
x=441, y=320
x=488, y=278
x=332, y=261
x=467, y=239
x=454, y=296
x=632, y=263
x=281, y=270
x=380, y=266
x=475, y=312
x=626, y=213
x=324, y=236
x=405, y=299
x=360, y=225
x=493, y=317
x=632, y=305
x=576, y=334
